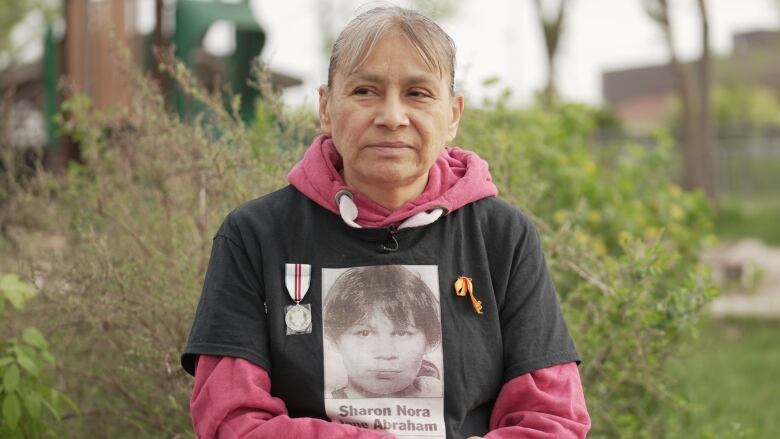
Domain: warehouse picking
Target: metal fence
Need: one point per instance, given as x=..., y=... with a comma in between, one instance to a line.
x=747, y=165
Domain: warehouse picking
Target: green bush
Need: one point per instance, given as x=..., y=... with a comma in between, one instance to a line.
x=623, y=243
x=24, y=393
x=138, y=214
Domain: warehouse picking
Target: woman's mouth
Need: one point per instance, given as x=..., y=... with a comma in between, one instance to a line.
x=389, y=148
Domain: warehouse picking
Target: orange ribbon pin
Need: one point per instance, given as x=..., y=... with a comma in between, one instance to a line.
x=464, y=286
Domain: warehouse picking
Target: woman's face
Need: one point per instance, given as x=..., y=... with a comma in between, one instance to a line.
x=380, y=358
x=390, y=118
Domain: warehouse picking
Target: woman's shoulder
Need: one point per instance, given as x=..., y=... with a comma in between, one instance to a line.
x=263, y=213
x=499, y=214
x=280, y=199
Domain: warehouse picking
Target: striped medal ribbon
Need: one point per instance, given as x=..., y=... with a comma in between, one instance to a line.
x=297, y=279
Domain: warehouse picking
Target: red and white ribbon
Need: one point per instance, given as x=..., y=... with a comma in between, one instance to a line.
x=297, y=279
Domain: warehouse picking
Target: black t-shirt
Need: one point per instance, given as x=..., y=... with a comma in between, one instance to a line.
x=244, y=299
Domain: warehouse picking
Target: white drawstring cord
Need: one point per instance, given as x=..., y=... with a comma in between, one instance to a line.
x=349, y=213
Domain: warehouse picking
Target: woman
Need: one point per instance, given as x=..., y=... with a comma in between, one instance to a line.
x=378, y=187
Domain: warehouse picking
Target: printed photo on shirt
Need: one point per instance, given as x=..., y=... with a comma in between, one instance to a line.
x=383, y=355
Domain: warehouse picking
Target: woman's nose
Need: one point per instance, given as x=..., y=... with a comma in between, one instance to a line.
x=391, y=113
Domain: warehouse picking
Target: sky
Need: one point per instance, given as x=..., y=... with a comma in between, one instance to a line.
x=501, y=39
x=497, y=39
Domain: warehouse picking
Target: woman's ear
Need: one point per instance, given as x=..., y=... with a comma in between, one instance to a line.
x=456, y=106
x=324, y=114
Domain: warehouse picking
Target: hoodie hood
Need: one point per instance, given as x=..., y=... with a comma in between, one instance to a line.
x=457, y=178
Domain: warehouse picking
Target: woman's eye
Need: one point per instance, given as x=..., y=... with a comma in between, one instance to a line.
x=419, y=94
x=364, y=333
x=402, y=333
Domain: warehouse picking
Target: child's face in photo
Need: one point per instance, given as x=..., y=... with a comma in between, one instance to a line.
x=379, y=357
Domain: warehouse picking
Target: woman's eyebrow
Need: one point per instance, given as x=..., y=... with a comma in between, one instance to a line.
x=378, y=79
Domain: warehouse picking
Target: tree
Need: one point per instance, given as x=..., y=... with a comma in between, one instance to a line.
x=12, y=13
x=159, y=40
x=694, y=83
x=704, y=147
x=552, y=28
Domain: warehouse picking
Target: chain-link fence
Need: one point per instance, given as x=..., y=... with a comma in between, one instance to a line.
x=747, y=165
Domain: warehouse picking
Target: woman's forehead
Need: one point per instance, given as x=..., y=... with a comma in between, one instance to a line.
x=380, y=77
x=393, y=49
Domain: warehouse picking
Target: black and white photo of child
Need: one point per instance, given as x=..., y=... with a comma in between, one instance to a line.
x=382, y=330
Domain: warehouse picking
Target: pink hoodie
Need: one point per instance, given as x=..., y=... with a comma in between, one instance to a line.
x=457, y=178
x=232, y=397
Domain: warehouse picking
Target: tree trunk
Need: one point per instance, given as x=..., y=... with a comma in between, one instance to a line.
x=694, y=91
x=552, y=30
x=707, y=182
x=159, y=43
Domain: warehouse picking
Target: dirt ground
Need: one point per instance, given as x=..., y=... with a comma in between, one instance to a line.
x=749, y=275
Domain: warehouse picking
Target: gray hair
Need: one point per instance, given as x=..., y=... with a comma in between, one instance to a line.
x=357, y=40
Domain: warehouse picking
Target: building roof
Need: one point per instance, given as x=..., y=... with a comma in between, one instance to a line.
x=756, y=59
x=622, y=85
x=746, y=41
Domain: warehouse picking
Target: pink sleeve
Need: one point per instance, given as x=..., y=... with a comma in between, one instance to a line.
x=232, y=399
x=545, y=403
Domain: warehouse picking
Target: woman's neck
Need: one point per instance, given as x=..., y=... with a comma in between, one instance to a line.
x=391, y=196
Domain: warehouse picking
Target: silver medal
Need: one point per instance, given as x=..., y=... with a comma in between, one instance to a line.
x=298, y=318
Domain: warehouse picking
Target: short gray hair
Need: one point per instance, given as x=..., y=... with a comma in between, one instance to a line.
x=358, y=38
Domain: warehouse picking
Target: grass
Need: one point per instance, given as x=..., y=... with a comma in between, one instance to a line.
x=754, y=217
x=732, y=374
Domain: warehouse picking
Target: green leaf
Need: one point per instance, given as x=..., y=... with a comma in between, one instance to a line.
x=28, y=365
x=33, y=403
x=33, y=337
x=25, y=361
x=5, y=361
x=16, y=290
x=11, y=378
x=72, y=404
x=12, y=410
x=49, y=358
x=55, y=411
